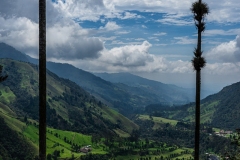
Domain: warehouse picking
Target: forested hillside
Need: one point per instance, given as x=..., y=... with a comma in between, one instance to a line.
x=69, y=107
x=221, y=110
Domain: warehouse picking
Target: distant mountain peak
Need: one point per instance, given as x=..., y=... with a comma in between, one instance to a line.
x=7, y=51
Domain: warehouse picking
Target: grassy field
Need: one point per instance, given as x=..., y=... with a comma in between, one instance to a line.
x=60, y=140
x=178, y=155
x=158, y=121
x=6, y=95
x=207, y=111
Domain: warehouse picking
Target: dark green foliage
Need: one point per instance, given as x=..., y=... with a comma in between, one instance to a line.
x=2, y=78
x=182, y=135
x=13, y=145
x=95, y=157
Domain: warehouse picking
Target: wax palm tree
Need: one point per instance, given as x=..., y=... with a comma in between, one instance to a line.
x=2, y=78
x=42, y=79
x=199, y=10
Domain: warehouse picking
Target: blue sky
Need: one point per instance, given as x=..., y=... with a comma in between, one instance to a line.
x=153, y=39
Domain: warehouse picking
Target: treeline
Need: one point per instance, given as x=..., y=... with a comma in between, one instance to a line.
x=182, y=135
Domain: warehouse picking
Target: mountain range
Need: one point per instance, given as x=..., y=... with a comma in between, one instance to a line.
x=125, y=97
x=79, y=101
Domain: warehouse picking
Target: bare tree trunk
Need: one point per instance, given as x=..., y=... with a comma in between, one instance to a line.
x=42, y=79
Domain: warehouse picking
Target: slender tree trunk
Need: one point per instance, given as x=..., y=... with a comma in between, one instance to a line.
x=197, y=114
x=42, y=79
x=198, y=94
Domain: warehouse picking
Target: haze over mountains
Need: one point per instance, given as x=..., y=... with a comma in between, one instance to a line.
x=132, y=91
x=78, y=103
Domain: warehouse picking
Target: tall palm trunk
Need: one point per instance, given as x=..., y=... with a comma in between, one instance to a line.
x=198, y=97
x=199, y=10
x=42, y=79
x=197, y=114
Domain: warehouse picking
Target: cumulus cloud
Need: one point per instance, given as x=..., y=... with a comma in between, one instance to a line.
x=129, y=55
x=81, y=10
x=177, y=12
x=110, y=26
x=226, y=52
x=65, y=38
x=224, y=11
x=70, y=42
x=129, y=15
x=20, y=32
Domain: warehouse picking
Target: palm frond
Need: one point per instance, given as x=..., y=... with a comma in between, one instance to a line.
x=200, y=10
x=198, y=63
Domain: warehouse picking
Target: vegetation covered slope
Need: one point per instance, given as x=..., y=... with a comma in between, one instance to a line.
x=69, y=107
x=221, y=110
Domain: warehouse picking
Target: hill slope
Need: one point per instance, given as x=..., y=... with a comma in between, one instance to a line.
x=69, y=107
x=221, y=110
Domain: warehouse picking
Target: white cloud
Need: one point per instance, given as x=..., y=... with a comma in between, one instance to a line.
x=122, y=32
x=19, y=32
x=65, y=39
x=111, y=26
x=107, y=38
x=214, y=32
x=139, y=39
x=143, y=26
x=81, y=10
x=129, y=15
x=129, y=55
x=70, y=41
x=177, y=12
x=224, y=11
x=185, y=40
x=160, y=34
x=225, y=52
x=176, y=19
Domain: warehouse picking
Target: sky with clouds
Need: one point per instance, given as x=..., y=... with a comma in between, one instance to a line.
x=151, y=38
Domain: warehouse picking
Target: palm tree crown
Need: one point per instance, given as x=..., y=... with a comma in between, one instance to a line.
x=199, y=10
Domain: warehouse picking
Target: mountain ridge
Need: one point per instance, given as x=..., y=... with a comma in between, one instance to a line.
x=220, y=110
x=123, y=97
